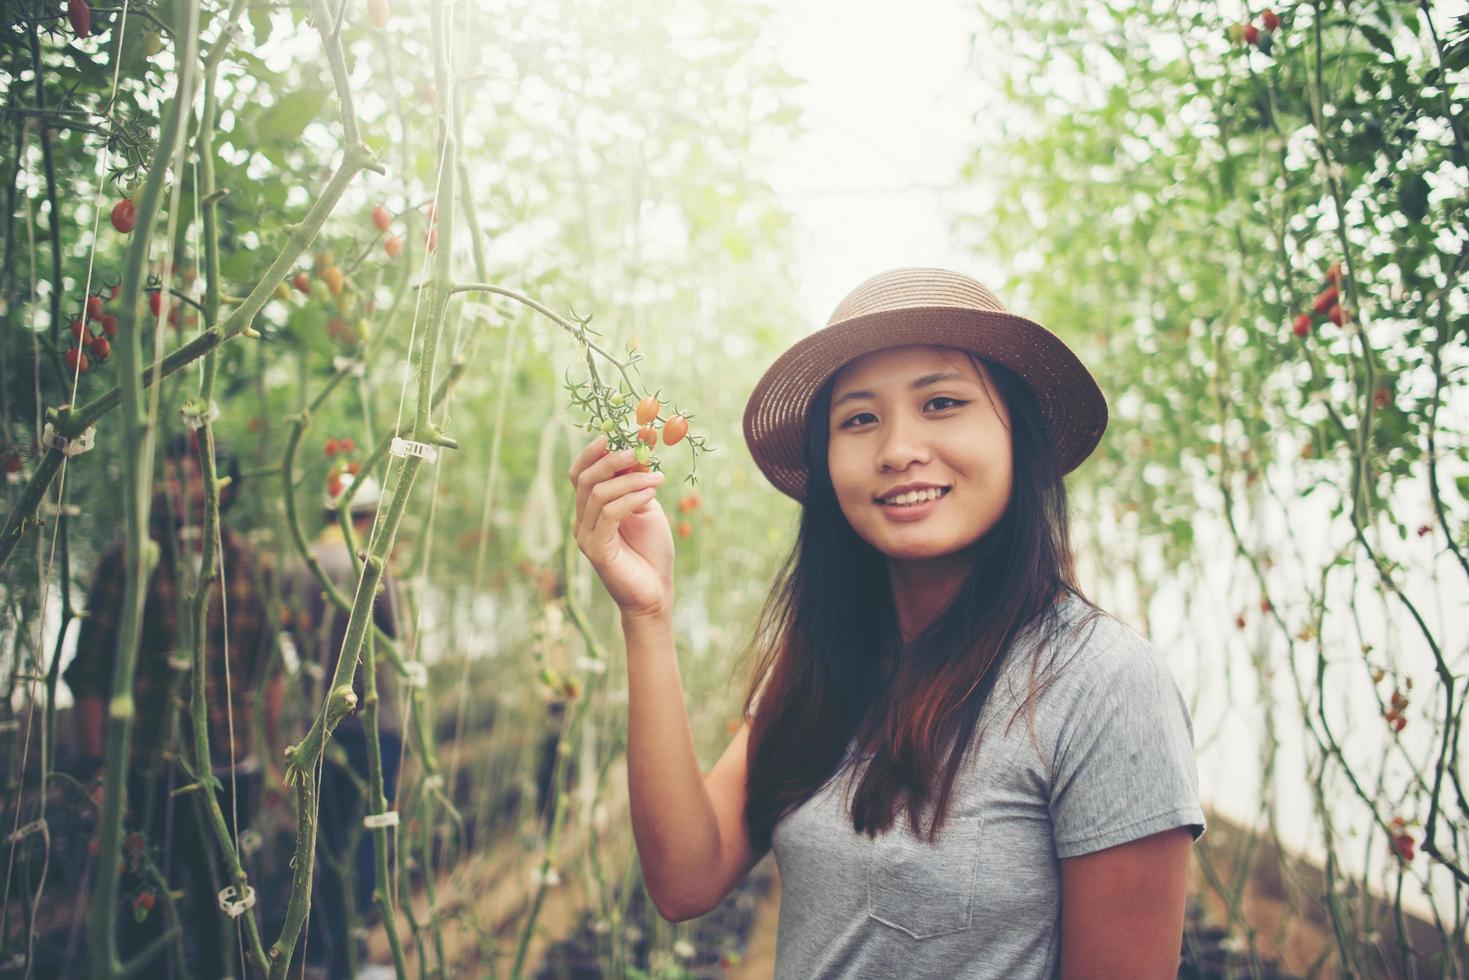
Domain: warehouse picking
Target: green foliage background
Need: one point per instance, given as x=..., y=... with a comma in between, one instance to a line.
x=1166, y=199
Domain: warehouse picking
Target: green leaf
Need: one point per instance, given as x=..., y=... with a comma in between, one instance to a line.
x=285, y=121
x=260, y=24
x=1377, y=39
x=1413, y=196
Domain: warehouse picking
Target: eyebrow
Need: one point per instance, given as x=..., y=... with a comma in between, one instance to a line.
x=923, y=382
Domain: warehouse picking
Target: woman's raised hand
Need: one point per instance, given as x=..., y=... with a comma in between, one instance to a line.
x=621, y=528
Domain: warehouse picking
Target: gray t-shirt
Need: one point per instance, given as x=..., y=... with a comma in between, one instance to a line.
x=1111, y=760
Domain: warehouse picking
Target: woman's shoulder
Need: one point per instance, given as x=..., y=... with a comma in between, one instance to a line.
x=1081, y=646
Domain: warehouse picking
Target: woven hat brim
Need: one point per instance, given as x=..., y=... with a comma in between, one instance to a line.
x=1074, y=409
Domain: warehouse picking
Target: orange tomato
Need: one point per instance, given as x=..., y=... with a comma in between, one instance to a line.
x=647, y=410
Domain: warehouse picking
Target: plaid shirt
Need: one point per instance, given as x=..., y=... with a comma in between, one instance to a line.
x=251, y=639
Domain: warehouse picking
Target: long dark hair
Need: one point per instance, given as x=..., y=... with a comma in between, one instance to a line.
x=830, y=670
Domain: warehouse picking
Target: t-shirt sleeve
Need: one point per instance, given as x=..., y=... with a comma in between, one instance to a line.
x=1124, y=765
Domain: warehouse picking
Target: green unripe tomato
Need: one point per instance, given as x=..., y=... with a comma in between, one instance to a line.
x=616, y=401
x=609, y=426
x=641, y=454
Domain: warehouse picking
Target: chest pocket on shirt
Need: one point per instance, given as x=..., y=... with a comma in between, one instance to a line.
x=921, y=888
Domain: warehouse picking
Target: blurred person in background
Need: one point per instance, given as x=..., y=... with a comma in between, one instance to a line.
x=320, y=629
x=962, y=766
x=239, y=643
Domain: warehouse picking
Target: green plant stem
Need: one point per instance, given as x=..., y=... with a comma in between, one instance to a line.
x=53, y=207
x=141, y=554
x=382, y=887
x=280, y=952
x=225, y=833
x=74, y=421
x=302, y=756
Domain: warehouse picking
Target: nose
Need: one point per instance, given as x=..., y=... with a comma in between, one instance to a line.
x=901, y=444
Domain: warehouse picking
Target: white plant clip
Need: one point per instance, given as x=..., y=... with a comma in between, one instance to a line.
x=404, y=448
x=49, y=509
x=378, y=821
x=10, y=725
x=349, y=364
x=26, y=830
x=479, y=311
x=70, y=447
x=415, y=673
x=196, y=420
x=235, y=906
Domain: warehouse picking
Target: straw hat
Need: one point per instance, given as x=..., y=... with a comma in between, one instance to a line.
x=920, y=306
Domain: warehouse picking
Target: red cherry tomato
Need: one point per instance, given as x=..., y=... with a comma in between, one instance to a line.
x=80, y=16
x=124, y=215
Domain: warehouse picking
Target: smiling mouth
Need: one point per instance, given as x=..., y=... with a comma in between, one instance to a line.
x=913, y=498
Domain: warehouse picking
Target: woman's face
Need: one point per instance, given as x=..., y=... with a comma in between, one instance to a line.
x=919, y=418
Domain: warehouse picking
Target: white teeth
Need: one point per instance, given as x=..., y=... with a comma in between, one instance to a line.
x=914, y=497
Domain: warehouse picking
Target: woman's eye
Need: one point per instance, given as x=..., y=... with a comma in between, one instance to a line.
x=853, y=420
x=952, y=402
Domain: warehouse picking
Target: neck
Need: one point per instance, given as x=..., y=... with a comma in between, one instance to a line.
x=921, y=589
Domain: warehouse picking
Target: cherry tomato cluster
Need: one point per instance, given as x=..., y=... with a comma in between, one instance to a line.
x=341, y=468
x=87, y=347
x=608, y=409
x=687, y=505
x=1400, y=844
x=330, y=285
x=377, y=11
x=336, y=477
x=1261, y=37
x=1394, y=715
x=382, y=219
x=1325, y=304
x=343, y=446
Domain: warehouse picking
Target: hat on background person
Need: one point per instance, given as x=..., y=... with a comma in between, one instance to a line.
x=364, y=501
x=909, y=306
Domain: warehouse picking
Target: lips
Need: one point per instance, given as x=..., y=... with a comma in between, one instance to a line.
x=911, y=512
x=907, y=496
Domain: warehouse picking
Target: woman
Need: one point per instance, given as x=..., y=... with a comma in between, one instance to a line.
x=964, y=768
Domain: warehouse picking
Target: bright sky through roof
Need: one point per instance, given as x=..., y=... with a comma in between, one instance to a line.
x=888, y=97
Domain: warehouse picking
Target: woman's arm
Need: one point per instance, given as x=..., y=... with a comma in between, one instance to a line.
x=689, y=828
x=1122, y=909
